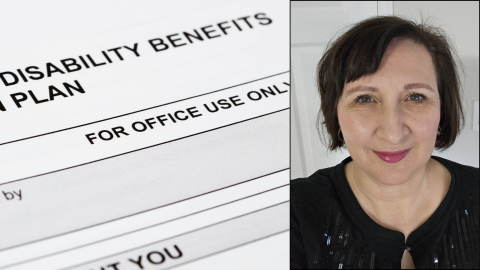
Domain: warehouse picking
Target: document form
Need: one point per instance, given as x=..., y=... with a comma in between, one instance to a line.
x=144, y=135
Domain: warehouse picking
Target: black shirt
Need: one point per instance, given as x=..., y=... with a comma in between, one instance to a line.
x=330, y=230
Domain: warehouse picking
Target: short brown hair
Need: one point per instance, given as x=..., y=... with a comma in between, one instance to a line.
x=359, y=52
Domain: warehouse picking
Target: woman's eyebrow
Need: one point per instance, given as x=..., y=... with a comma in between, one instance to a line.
x=417, y=85
x=375, y=89
x=360, y=88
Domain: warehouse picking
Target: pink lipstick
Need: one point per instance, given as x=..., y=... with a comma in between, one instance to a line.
x=392, y=157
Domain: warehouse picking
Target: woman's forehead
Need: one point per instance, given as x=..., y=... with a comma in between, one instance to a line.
x=406, y=50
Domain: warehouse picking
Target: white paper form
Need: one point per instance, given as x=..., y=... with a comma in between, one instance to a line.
x=144, y=136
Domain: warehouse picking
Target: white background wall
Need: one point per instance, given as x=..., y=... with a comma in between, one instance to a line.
x=460, y=20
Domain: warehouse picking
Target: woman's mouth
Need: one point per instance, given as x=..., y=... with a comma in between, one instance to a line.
x=392, y=157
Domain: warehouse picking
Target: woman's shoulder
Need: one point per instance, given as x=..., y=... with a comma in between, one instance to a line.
x=464, y=172
x=317, y=186
x=467, y=176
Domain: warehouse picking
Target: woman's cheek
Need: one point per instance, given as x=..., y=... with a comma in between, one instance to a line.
x=359, y=128
x=423, y=120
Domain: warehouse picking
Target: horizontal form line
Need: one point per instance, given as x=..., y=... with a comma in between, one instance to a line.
x=29, y=177
x=141, y=212
x=161, y=223
x=60, y=130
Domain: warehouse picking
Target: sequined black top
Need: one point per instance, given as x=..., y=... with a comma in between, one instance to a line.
x=330, y=230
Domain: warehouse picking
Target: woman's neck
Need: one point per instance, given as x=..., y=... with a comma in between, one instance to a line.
x=403, y=207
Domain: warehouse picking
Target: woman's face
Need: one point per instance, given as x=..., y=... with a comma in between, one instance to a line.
x=397, y=108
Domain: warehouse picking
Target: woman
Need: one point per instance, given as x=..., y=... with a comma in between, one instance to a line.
x=389, y=93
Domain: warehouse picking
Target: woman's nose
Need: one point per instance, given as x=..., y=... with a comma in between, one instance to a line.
x=392, y=128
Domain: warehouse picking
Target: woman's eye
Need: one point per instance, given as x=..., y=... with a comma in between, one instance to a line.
x=417, y=98
x=364, y=99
